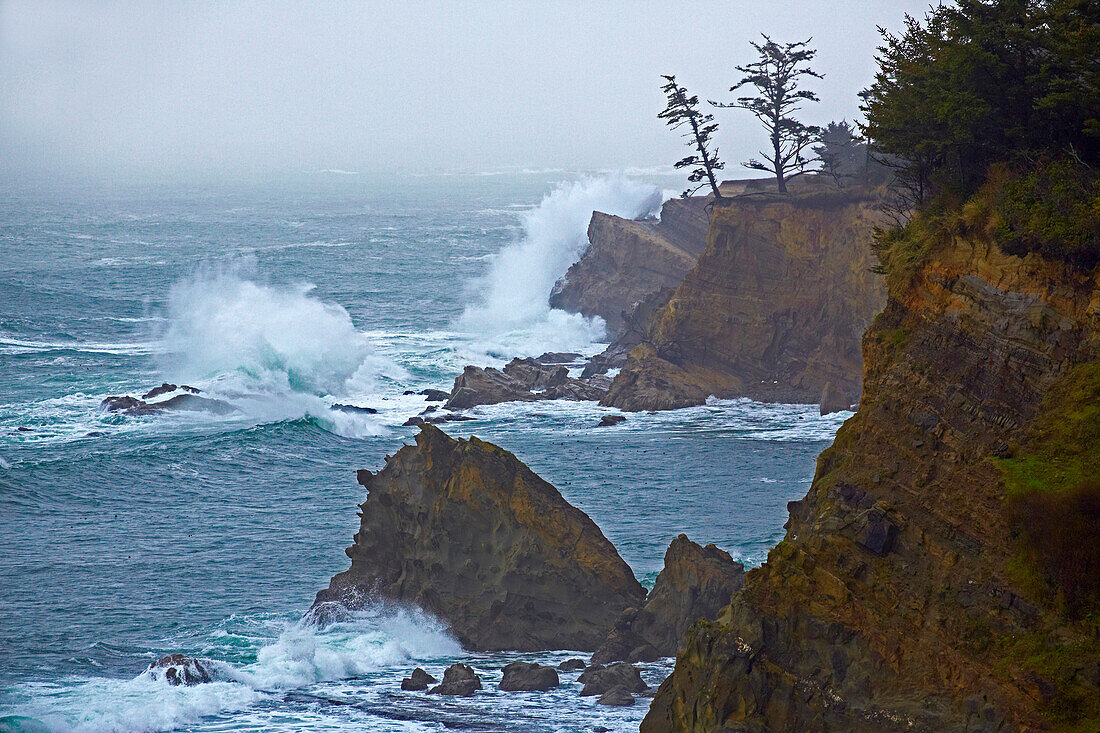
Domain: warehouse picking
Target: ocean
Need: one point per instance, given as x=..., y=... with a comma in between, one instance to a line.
x=126, y=538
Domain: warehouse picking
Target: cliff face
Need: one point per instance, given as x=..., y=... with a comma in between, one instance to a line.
x=906, y=594
x=628, y=260
x=466, y=531
x=774, y=308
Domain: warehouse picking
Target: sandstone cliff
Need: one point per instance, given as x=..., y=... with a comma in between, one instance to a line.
x=774, y=308
x=941, y=573
x=466, y=531
x=628, y=260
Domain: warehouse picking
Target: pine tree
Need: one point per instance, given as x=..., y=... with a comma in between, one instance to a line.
x=683, y=110
x=776, y=75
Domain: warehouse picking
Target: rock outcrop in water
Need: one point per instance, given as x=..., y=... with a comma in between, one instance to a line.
x=695, y=583
x=181, y=670
x=186, y=402
x=627, y=260
x=522, y=380
x=466, y=531
x=940, y=573
x=774, y=308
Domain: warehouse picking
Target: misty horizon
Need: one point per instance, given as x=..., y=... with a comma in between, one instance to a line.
x=254, y=91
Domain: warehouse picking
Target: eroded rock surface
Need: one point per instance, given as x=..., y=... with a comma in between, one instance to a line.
x=599, y=679
x=627, y=260
x=521, y=380
x=466, y=531
x=528, y=677
x=418, y=681
x=773, y=310
x=181, y=670
x=459, y=680
x=903, y=597
x=695, y=583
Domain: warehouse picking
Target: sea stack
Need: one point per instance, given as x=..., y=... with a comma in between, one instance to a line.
x=466, y=531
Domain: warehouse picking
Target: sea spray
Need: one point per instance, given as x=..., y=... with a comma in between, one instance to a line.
x=510, y=302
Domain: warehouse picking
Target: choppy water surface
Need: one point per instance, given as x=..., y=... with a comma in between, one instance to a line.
x=125, y=538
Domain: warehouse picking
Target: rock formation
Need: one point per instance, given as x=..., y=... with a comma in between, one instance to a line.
x=417, y=681
x=695, y=583
x=773, y=310
x=458, y=680
x=628, y=260
x=521, y=380
x=466, y=531
x=186, y=402
x=528, y=677
x=179, y=669
x=599, y=679
x=920, y=585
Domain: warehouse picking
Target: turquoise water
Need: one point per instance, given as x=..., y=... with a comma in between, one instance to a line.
x=125, y=538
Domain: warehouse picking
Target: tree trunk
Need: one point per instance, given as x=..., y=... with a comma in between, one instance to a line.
x=781, y=181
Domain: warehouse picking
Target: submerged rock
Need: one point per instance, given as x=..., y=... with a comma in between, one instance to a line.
x=528, y=677
x=599, y=679
x=183, y=402
x=695, y=583
x=617, y=697
x=354, y=409
x=166, y=388
x=417, y=681
x=467, y=532
x=179, y=669
x=459, y=680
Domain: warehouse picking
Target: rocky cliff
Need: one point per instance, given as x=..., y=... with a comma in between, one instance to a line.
x=628, y=260
x=774, y=308
x=942, y=572
x=466, y=531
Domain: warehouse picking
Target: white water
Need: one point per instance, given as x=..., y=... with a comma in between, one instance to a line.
x=509, y=304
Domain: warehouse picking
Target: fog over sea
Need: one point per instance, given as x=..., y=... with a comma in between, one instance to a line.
x=126, y=538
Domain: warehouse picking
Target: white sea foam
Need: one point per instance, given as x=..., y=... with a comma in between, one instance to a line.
x=225, y=323
x=509, y=307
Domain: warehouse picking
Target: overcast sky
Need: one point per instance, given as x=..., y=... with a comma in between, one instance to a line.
x=235, y=89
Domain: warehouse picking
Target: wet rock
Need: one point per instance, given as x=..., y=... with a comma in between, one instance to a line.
x=449, y=417
x=609, y=420
x=521, y=380
x=354, y=409
x=464, y=530
x=696, y=583
x=23, y=429
x=179, y=669
x=459, y=680
x=183, y=402
x=413, y=421
x=417, y=681
x=572, y=665
x=599, y=679
x=617, y=697
x=122, y=403
x=167, y=387
x=434, y=395
x=559, y=357
x=528, y=677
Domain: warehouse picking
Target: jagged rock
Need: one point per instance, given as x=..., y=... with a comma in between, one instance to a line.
x=466, y=531
x=628, y=260
x=179, y=669
x=354, y=409
x=559, y=357
x=695, y=583
x=609, y=420
x=572, y=665
x=907, y=521
x=617, y=697
x=599, y=679
x=434, y=395
x=773, y=309
x=413, y=421
x=522, y=380
x=183, y=402
x=458, y=680
x=528, y=677
x=417, y=681
x=833, y=400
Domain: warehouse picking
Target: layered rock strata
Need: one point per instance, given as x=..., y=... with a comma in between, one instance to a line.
x=905, y=595
x=628, y=260
x=774, y=308
x=464, y=530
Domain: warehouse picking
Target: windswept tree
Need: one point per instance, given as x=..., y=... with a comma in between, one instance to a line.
x=776, y=76
x=683, y=110
x=840, y=152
